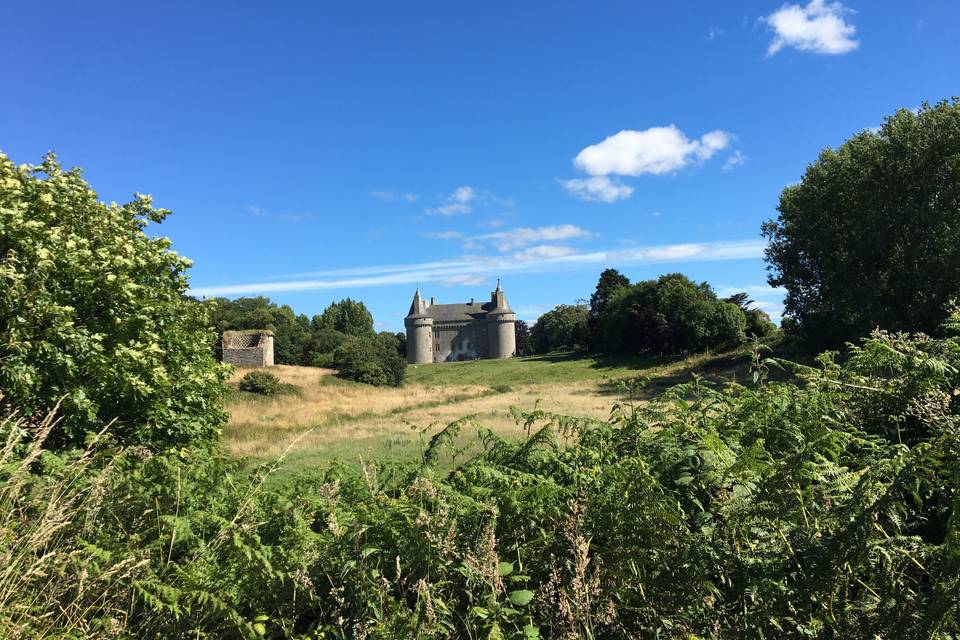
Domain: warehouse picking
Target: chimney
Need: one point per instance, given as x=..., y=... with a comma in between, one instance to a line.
x=471, y=300
x=431, y=301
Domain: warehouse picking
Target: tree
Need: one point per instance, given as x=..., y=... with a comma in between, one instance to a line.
x=759, y=323
x=347, y=316
x=562, y=329
x=522, y=332
x=610, y=282
x=93, y=315
x=871, y=235
x=670, y=315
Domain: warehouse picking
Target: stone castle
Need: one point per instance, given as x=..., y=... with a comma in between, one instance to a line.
x=461, y=331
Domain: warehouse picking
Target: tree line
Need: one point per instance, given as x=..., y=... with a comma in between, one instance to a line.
x=669, y=315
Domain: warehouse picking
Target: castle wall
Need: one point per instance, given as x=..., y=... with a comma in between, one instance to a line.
x=454, y=341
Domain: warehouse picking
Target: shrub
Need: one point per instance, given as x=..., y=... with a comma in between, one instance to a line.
x=260, y=382
x=93, y=315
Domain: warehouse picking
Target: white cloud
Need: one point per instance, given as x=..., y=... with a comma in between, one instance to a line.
x=465, y=199
x=714, y=32
x=457, y=203
x=517, y=238
x=256, y=211
x=393, y=195
x=521, y=262
x=463, y=280
x=597, y=188
x=657, y=150
x=734, y=161
x=542, y=252
x=443, y=235
x=819, y=27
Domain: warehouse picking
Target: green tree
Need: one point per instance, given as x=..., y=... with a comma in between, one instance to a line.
x=522, y=332
x=347, y=316
x=610, y=282
x=871, y=235
x=670, y=315
x=564, y=328
x=758, y=322
x=371, y=360
x=93, y=314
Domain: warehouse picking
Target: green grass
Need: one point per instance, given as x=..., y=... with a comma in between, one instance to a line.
x=544, y=369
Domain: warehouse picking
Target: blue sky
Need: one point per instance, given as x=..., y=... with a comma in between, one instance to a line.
x=312, y=151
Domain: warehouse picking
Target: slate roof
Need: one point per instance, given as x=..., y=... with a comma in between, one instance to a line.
x=463, y=311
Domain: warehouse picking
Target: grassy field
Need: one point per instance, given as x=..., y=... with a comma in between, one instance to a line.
x=328, y=419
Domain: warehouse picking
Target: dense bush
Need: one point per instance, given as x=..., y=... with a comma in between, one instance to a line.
x=370, y=360
x=564, y=328
x=824, y=509
x=870, y=237
x=93, y=315
x=260, y=382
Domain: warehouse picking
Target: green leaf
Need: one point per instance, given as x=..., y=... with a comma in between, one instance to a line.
x=505, y=568
x=521, y=596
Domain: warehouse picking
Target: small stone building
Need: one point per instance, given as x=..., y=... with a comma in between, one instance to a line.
x=461, y=331
x=252, y=348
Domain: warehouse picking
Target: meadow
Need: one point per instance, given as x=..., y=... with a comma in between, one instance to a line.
x=323, y=418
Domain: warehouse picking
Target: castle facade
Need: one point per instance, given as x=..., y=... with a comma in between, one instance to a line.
x=461, y=331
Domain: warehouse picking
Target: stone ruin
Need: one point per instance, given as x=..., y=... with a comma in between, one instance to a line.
x=248, y=348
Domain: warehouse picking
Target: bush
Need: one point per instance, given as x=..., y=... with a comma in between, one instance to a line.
x=261, y=382
x=93, y=316
x=372, y=361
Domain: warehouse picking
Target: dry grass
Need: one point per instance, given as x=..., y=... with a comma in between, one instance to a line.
x=337, y=419
x=263, y=427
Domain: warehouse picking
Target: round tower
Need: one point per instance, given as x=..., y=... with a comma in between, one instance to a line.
x=501, y=329
x=419, y=327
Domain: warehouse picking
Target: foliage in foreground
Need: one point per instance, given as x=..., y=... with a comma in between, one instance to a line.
x=93, y=315
x=824, y=508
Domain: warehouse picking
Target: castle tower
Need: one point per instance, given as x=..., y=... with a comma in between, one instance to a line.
x=419, y=332
x=501, y=330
